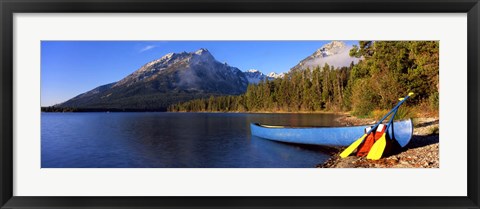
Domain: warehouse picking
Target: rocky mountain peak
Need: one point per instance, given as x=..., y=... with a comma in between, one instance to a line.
x=276, y=75
x=255, y=76
x=334, y=47
x=335, y=53
x=334, y=44
x=167, y=56
x=202, y=55
x=202, y=51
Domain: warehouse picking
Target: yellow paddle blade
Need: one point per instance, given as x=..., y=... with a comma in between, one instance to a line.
x=409, y=94
x=377, y=149
x=352, y=147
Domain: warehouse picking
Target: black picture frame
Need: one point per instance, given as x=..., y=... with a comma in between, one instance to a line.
x=9, y=7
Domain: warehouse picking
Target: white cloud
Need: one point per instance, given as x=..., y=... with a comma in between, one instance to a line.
x=338, y=60
x=146, y=48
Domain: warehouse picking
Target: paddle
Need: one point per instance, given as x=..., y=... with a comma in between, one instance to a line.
x=350, y=149
x=377, y=149
x=356, y=143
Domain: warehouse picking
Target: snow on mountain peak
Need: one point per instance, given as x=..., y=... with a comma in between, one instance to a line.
x=201, y=51
x=201, y=55
x=332, y=48
x=167, y=56
x=255, y=76
x=276, y=75
x=162, y=60
x=335, y=44
x=335, y=53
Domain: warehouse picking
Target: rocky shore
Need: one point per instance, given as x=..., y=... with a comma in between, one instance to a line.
x=421, y=152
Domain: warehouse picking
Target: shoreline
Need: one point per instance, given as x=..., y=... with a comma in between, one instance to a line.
x=421, y=152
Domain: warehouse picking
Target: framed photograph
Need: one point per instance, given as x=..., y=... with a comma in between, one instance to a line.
x=266, y=104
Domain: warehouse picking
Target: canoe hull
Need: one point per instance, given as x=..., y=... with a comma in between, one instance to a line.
x=328, y=136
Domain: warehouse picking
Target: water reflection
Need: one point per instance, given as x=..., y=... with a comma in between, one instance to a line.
x=172, y=140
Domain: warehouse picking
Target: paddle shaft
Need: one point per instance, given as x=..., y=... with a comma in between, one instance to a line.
x=390, y=123
x=391, y=111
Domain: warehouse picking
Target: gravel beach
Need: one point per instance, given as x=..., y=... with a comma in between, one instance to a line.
x=421, y=152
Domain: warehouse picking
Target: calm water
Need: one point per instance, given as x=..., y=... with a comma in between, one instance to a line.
x=173, y=140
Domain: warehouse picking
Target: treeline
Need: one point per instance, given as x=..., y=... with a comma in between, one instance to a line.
x=75, y=109
x=299, y=90
x=59, y=109
x=388, y=70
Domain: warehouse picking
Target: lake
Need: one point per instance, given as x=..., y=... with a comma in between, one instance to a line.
x=173, y=140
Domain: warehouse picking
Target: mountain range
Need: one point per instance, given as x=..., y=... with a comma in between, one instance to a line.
x=179, y=77
x=255, y=76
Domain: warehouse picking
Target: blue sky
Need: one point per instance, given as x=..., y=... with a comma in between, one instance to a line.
x=69, y=68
